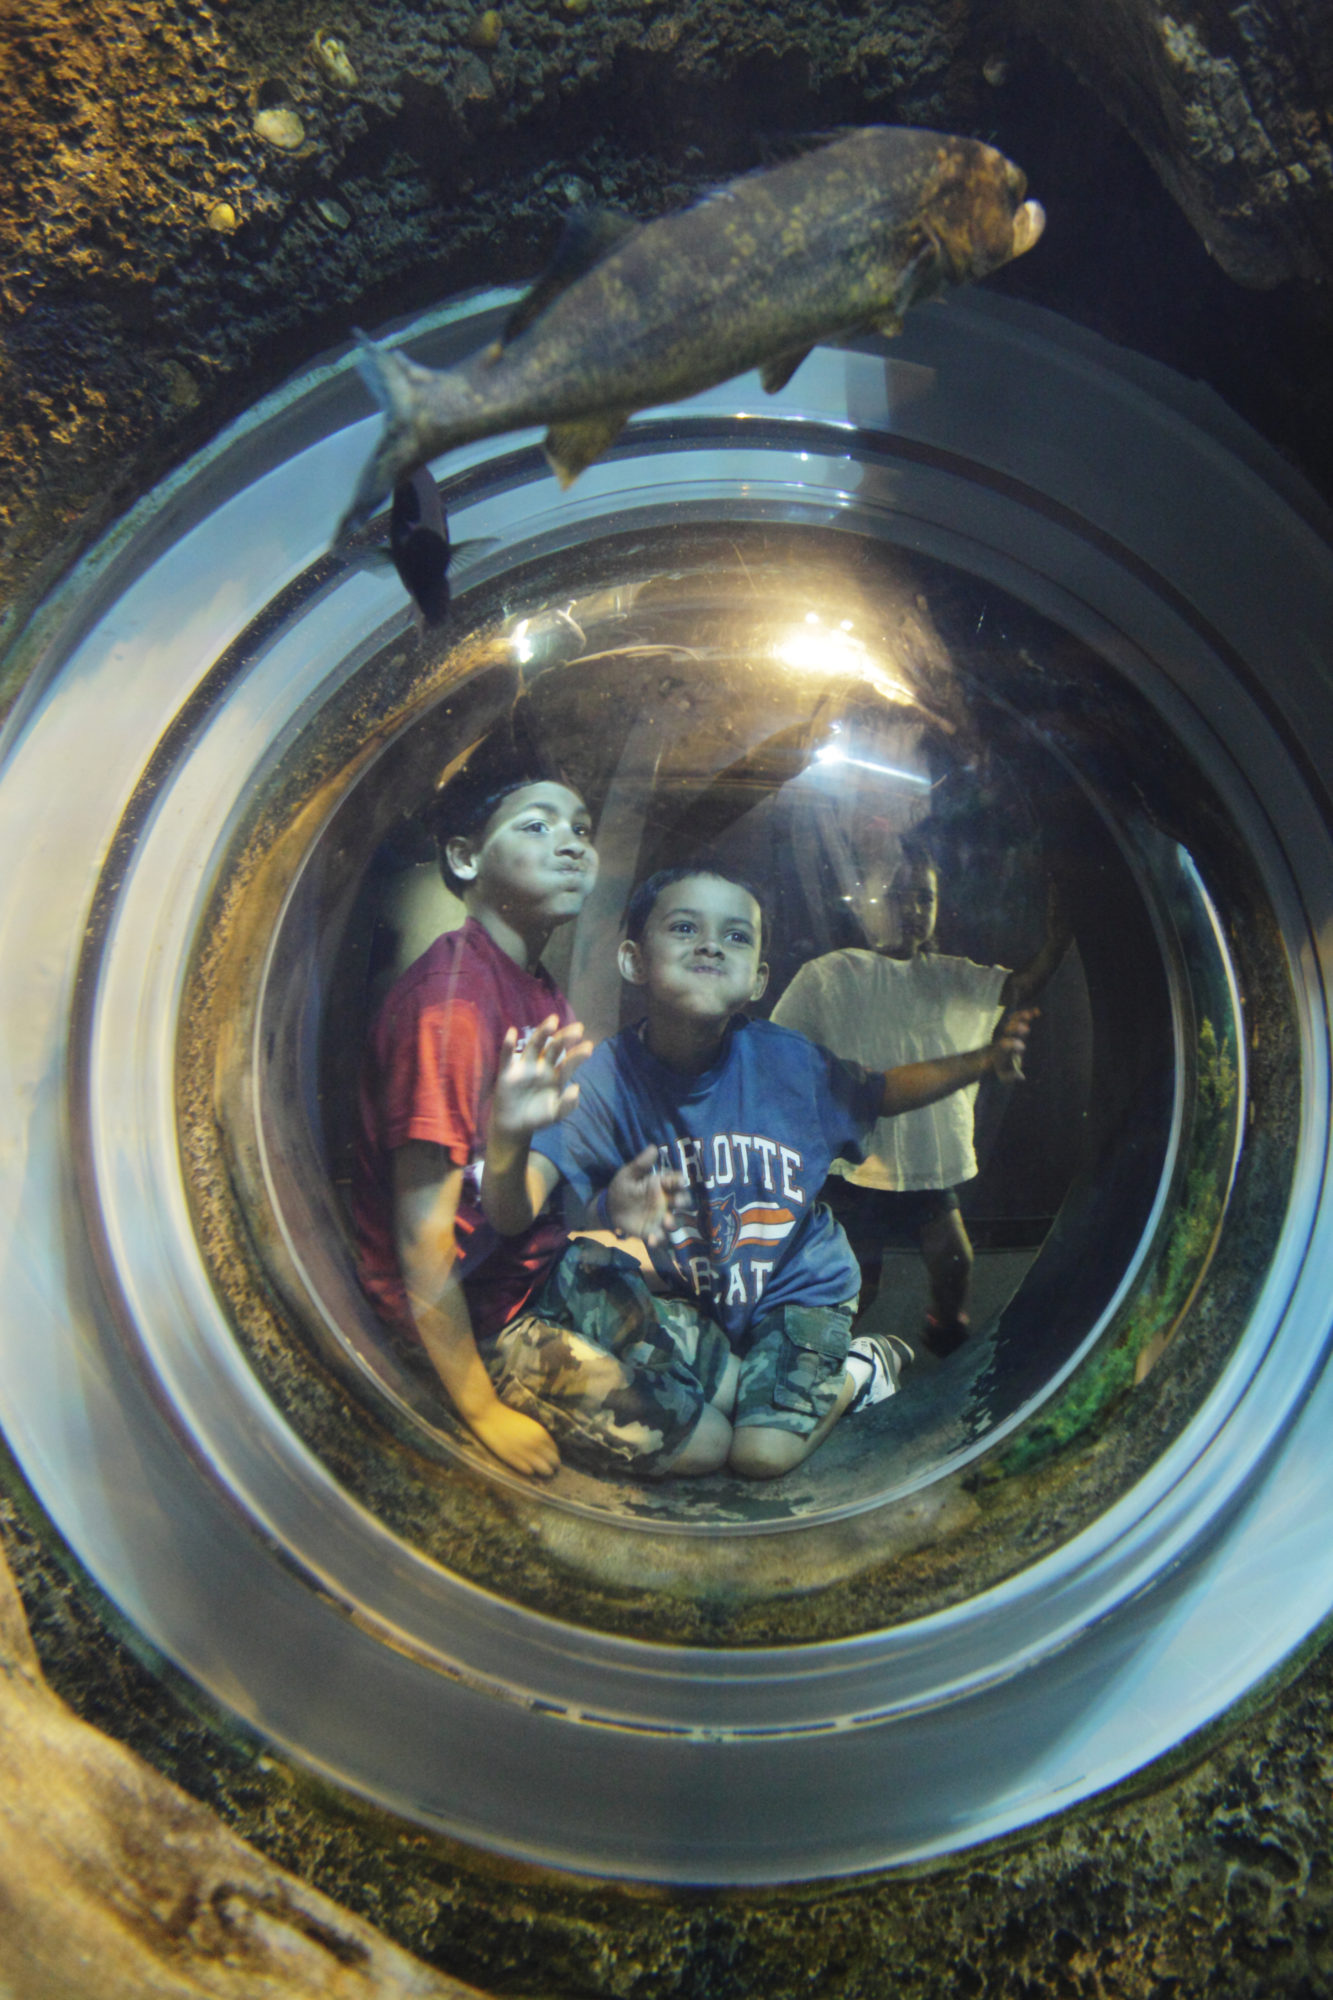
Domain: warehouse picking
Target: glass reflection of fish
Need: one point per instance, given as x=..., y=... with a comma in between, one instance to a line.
x=841, y=240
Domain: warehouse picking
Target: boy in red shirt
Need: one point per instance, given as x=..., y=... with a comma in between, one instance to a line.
x=542, y=1345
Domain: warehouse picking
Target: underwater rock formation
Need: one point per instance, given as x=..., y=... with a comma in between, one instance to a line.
x=1232, y=106
x=116, y=1886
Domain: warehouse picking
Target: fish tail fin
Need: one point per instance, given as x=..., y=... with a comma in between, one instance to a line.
x=410, y=436
x=375, y=366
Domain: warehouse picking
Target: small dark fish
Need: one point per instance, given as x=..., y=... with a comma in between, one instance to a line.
x=419, y=544
x=418, y=548
x=840, y=241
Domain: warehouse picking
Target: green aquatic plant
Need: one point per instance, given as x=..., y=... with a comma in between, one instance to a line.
x=1152, y=1316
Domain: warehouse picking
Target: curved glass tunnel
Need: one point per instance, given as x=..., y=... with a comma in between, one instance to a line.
x=895, y=597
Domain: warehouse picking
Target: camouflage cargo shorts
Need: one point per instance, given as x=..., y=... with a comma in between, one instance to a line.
x=792, y=1370
x=617, y=1374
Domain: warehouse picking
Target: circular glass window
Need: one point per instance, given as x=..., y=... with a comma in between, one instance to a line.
x=971, y=701
x=709, y=709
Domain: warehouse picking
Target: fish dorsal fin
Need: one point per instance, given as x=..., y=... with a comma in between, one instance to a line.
x=774, y=150
x=571, y=448
x=777, y=373
x=590, y=234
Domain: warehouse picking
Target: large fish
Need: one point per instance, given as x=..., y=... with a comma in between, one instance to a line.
x=841, y=240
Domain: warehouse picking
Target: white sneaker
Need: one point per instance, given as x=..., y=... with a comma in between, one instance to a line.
x=882, y=1358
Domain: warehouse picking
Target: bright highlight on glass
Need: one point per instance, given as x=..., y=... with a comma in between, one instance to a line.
x=831, y=753
x=814, y=647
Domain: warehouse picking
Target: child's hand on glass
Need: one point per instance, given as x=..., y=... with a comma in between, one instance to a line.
x=534, y=1087
x=643, y=1201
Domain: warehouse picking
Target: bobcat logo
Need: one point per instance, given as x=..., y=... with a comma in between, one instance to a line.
x=724, y=1227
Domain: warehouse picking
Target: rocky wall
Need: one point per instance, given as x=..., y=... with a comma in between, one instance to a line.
x=1231, y=104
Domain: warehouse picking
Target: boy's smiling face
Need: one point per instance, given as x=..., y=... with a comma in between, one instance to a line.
x=699, y=956
x=534, y=861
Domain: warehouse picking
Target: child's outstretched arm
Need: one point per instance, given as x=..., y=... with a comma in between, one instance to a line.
x=532, y=1090
x=912, y=1085
x=1024, y=985
x=426, y=1187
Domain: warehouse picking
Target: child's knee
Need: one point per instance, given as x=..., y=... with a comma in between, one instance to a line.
x=704, y=1450
x=758, y=1452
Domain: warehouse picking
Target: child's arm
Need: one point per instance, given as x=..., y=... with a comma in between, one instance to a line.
x=644, y=1199
x=532, y=1090
x=1022, y=986
x=426, y=1187
x=912, y=1085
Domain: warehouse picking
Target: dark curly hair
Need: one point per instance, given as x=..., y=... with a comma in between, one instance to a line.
x=504, y=762
x=644, y=897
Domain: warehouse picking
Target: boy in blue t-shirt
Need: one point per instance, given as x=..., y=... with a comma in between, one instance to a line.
x=730, y=1124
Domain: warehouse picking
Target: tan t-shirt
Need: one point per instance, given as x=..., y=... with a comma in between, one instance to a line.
x=885, y=1011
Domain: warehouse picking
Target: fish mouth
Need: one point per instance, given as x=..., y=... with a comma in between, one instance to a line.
x=1029, y=221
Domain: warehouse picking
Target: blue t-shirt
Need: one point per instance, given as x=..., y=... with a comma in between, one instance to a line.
x=754, y=1134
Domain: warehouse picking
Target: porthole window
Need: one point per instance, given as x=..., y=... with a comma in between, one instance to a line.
x=886, y=613
x=682, y=715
